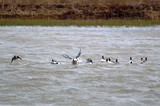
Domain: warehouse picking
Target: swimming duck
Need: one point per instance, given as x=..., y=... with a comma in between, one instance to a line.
x=130, y=61
x=89, y=61
x=102, y=59
x=15, y=58
x=142, y=61
x=54, y=62
x=109, y=61
x=145, y=59
x=117, y=62
x=74, y=60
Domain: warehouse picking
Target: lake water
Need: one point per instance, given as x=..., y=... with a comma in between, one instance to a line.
x=35, y=81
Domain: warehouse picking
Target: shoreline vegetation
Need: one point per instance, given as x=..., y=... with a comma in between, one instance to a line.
x=68, y=22
x=79, y=12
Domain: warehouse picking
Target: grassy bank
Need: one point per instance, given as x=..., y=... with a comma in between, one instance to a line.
x=51, y=22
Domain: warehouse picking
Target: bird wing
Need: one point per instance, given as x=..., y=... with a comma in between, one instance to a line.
x=66, y=56
x=19, y=58
x=12, y=60
x=78, y=54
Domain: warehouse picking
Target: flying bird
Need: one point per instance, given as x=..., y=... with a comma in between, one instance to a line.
x=15, y=58
x=74, y=60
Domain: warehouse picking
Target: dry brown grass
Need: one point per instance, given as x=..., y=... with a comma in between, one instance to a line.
x=80, y=9
x=77, y=1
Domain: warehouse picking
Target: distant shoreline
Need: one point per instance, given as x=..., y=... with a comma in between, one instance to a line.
x=64, y=14
x=81, y=11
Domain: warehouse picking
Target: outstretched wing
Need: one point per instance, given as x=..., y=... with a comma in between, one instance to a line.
x=78, y=54
x=19, y=58
x=66, y=56
x=11, y=60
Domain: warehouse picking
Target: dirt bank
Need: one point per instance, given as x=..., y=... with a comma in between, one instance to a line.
x=81, y=11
